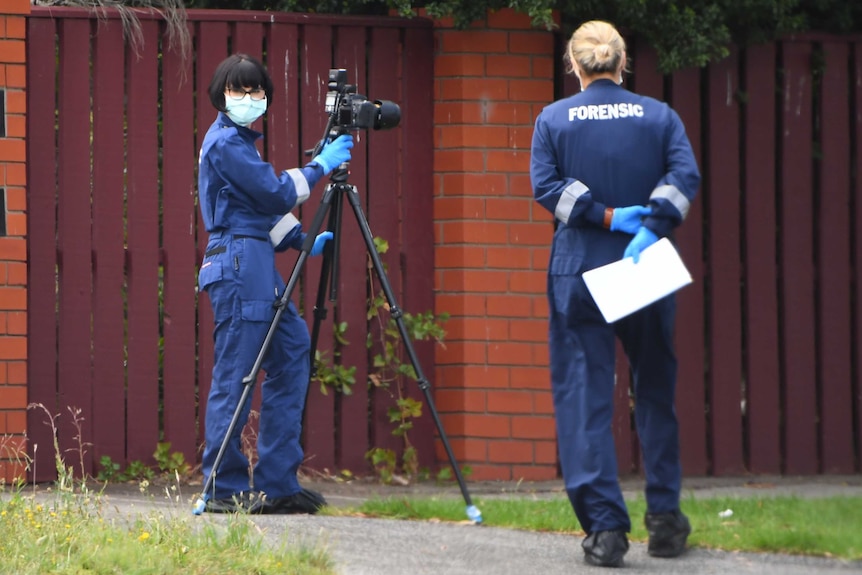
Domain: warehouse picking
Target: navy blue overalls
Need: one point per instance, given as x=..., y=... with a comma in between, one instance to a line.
x=242, y=199
x=607, y=147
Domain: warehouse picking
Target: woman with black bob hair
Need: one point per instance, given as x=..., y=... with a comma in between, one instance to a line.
x=231, y=76
x=245, y=205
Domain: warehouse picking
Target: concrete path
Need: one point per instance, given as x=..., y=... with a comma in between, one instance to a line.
x=363, y=546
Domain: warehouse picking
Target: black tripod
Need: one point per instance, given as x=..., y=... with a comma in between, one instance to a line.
x=332, y=202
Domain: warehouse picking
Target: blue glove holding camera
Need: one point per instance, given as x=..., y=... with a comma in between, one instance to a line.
x=334, y=153
x=642, y=240
x=320, y=243
x=628, y=219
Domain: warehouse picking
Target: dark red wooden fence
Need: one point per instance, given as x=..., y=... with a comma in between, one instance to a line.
x=769, y=335
x=114, y=130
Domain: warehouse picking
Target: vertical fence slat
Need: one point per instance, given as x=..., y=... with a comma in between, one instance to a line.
x=42, y=256
x=109, y=372
x=417, y=203
x=690, y=388
x=284, y=148
x=857, y=245
x=178, y=251
x=625, y=438
x=143, y=251
x=833, y=263
x=247, y=38
x=352, y=410
x=645, y=75
x=73, y=228
x=383, y=205
x=210, y=50
x=646, y=81
x=762, y=377
x=724, y=240
x=797, y=271
x=319, y=421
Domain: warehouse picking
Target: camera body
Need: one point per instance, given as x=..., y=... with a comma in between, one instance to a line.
x=351, y=111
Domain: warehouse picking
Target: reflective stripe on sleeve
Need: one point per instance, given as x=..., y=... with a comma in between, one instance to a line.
x=674, y=196
x=300, y=184
x=280, y=230
x=569, y=197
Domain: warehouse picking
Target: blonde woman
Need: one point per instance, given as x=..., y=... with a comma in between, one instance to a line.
x=617, y=171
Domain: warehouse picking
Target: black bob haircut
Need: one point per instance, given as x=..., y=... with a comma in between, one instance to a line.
x=239, y=71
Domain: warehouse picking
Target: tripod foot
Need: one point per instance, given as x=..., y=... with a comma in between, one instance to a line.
x=474, y=514
x=200, y=505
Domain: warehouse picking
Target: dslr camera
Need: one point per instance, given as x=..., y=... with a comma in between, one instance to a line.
x=351, y=111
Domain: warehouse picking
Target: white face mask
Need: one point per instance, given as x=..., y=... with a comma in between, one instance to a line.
x=244, y=111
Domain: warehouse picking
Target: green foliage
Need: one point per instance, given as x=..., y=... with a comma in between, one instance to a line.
x=169, y=463
x=110, y=471
x=830, y=527
x=66, y=534
x=387, y=373
x=139, y=470
x=385, y=462
x=684, y=32
x=173, y=463
x=331, y=374
x=689, y=33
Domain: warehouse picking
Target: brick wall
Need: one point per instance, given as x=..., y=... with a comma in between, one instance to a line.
x=13, y=246
x=492, y=242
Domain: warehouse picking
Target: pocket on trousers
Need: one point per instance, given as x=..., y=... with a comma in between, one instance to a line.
x=210, y=273
x=258, y=310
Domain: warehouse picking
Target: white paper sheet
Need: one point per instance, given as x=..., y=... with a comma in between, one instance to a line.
x=623, y=287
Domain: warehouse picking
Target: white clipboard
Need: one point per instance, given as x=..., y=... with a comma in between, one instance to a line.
x=623, y=287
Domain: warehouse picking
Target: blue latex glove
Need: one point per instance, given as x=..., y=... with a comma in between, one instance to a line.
x=642, y=240
x=628, y=219
x=334, y=153
x=320, y=243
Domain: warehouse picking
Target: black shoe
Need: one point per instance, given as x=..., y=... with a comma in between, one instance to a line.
x=245, y=502
x=306, y=501
x=606, y=548
x=668, y=533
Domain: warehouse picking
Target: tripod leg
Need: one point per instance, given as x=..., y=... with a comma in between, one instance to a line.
x=280, y=305
x=330, y=259
x=473, y=512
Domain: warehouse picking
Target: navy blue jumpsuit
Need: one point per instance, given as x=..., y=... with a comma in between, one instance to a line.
x=608, y=147
x=242, y=200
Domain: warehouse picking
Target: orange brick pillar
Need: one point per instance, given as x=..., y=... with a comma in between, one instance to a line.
x=492, y=243
x=13, y=242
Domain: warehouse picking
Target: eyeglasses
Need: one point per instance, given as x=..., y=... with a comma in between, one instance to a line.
x=239, y=93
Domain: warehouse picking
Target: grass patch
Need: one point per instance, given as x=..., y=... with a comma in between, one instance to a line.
x=72, y=534
x=829, y=527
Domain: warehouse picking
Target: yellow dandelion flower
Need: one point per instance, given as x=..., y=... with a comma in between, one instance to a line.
x=143, y=536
